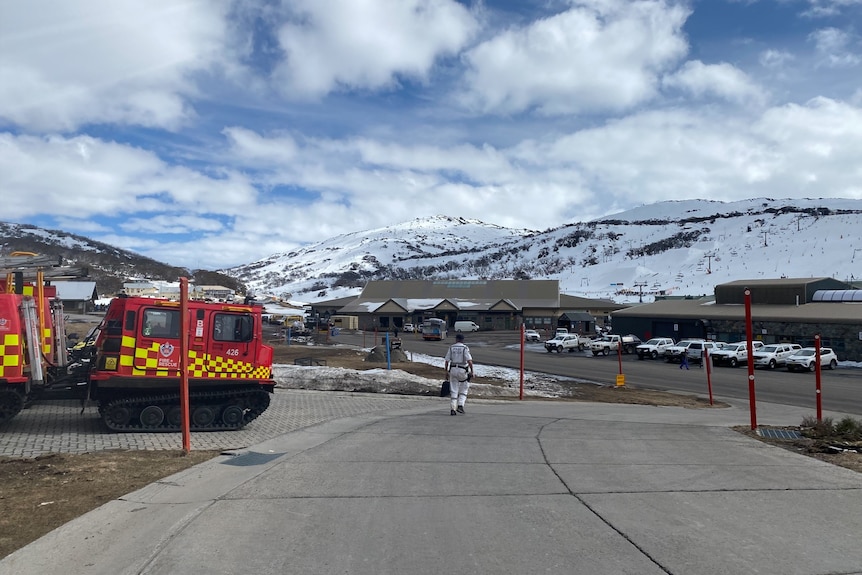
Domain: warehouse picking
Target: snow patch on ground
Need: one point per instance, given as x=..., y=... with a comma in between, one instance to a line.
x=398, y=381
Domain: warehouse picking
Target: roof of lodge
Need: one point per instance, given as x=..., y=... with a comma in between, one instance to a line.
x=706, y=308
x=338, y=302
x=75, y=291
x=573, y=302
x=466, y=295
x=780, y=282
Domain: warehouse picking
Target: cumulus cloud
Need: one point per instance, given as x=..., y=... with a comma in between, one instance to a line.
x=834, y=47
x=596, y=56
x=172, y=129
x=671, y=154
x=775, y=59
x=826, y=8
x=788, y=151
x=344, y=44
x=65, y=64
x=88, y=176
x=721, y=80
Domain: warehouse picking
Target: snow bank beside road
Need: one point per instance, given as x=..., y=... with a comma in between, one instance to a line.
x=401, y=382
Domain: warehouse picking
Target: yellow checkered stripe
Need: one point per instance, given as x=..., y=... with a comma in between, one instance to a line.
x=203, y=365
x=47, y=337
x=12, y=354
x=200, y=365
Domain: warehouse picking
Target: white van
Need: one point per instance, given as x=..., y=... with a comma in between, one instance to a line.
x=466, y=326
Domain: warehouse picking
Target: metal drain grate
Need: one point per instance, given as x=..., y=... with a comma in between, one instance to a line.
x=778, y=433
x=252, y=458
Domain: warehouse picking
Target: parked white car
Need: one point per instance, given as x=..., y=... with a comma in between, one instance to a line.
x=409, y=328
x=695, y=351
x=653, y=348
x=734, y=354
x=570, y=342
x=673, y=353
x=774, y=354
x=806, y=359
x=532, y=335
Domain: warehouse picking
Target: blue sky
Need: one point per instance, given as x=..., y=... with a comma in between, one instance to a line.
x=213, y=133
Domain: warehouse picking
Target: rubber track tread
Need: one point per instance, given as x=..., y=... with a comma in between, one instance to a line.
x=258, y=399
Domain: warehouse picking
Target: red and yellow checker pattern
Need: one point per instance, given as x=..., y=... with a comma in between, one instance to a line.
x=201, y=365
x=12, y=353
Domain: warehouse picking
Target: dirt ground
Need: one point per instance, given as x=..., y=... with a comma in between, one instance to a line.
x=43, y=493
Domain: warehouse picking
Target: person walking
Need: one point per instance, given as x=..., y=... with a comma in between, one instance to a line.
x=683, y=362
x=459, y=371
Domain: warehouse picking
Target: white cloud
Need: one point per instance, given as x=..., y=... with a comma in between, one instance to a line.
x=825, y=8
x=833, y=46
x=345, y=44
x=672, y=154
x=597, y=56
x=64, y=64
x=254, y=149
x=171, y=224
x=790, y=151
x=775, y=58
x=247, y=170
x=722, y=80
x=88, y=176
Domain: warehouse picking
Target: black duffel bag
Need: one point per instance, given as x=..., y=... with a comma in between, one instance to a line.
x=445, y=389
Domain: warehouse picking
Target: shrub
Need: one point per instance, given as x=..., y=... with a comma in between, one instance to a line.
x=848, y=428
x=814, y=428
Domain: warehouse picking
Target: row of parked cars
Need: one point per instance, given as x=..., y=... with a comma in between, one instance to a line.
x=603, y=344
x=790, y=355
x=770, y=356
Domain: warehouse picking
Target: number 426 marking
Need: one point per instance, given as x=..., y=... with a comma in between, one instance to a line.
x=232, y=352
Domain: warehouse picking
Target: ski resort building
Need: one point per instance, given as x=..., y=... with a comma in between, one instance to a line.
x=491, y=304
x=782, y=310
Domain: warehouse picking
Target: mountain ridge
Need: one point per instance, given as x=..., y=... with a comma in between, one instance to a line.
x=677, y=247
x=105, y=264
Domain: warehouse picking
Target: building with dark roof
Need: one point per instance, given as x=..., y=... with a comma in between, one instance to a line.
x=77, y=296
x=782, y=310
x=491, y=304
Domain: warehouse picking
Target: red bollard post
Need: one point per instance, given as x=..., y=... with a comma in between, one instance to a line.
x=706, y=363
x=185, y=421
x=750, y=362
x=620, y=356
x=817, y=377
x=521, y=393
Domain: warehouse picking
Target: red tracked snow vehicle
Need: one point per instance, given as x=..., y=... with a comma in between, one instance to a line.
x=130, y=364
x=135, y=370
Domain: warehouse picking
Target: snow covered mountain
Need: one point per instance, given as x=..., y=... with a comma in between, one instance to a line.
x=675, y=247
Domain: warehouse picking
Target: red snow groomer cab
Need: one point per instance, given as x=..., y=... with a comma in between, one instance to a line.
x=30, y=353
x=135, y=374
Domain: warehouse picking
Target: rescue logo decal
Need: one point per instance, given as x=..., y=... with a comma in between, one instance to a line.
x=166, y=349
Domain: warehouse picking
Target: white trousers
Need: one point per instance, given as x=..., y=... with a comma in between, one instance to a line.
x=458, y=392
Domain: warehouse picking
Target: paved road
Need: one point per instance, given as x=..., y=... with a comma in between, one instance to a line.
x=61, y=426
x=510, y=488
x=841, y=389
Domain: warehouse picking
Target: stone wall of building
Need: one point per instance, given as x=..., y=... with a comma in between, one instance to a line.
x=842, y=338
